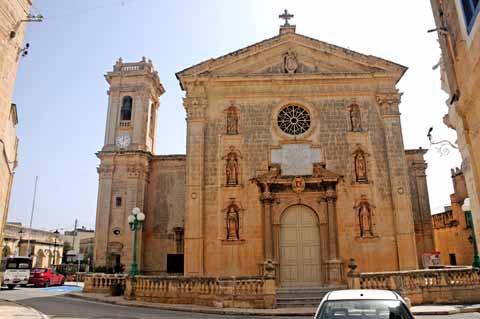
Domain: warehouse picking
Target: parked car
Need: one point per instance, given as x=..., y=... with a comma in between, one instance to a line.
x=45, y=277
x=16, y=271
x=363, y=303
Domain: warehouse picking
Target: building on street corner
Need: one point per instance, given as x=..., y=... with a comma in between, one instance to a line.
x=458, y=28
x=452, y=228
x=12, y=31
x=295, y=163
x=45, y=248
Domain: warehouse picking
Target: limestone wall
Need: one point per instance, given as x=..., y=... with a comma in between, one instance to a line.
x=420, y=202
x=453, y=235
x=461, y=78
x=45, y=247
x=258, y=135
x=436, y=286
x=325, y=81
x=11, y=12
x=165, y=211
x=226, y=292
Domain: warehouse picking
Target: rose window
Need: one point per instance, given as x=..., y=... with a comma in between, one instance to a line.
x=293, y=120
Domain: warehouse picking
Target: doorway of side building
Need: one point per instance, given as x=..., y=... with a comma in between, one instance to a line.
x=453, y=259
x=299, y=247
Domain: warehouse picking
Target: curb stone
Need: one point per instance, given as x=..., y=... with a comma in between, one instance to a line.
x=255, y=312
x=198, y=309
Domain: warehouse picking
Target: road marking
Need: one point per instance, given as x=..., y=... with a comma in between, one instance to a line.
x=62, y=289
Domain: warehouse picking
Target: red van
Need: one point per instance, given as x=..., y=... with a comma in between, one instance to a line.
x=45, y=277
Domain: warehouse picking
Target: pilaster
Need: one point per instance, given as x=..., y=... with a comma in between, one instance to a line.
x=267, y=199
x=399, y=184
x=102, y=223
x=194, y=237
x=333, y=264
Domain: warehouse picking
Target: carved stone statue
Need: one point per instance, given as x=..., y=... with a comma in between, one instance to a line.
x=355, y=117
x=232, y=169
x=232, y=223
x=360, y=168
x=232, y=120
x=365, y=217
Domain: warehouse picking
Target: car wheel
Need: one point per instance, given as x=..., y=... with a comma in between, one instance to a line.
x=23, y=285
x=62, y=282
x=47, y=283
x=11, y=286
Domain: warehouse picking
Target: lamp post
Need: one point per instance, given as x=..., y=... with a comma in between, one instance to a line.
x=135, y=220
x=56, y=232
x=20, y=233
x=468, y=216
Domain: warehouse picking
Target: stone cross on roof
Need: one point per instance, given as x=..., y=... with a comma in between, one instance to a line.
x=286, y=16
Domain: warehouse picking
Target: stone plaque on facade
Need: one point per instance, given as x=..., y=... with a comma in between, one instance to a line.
x=296, y=159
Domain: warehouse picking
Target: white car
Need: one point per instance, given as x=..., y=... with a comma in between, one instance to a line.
x=363, y=304
x=17, y=271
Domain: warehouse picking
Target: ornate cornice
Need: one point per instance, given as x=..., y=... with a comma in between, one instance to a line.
x=195, y=107
x=105, y=171
x=135, y=171
x=388, y=103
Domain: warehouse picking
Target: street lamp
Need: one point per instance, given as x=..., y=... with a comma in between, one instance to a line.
x=468, y=216
x=56, y=232
x=135, y=220
x=20, y=233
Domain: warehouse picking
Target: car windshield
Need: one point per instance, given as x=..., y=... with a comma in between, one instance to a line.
x=363, y=309
x=18, y=263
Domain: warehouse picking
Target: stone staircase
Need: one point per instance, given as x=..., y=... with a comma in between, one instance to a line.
x=290, y=297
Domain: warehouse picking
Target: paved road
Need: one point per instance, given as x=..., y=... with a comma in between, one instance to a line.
x=53, y=303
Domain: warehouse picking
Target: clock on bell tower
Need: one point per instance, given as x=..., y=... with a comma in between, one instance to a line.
x=134, y=94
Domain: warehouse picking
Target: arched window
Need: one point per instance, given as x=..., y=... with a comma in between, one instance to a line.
x=126, y=111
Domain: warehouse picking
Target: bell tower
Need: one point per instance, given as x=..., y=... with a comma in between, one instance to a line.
x=125, y=157
x=134, y=94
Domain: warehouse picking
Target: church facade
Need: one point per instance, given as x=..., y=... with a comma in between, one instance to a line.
x=295, y=163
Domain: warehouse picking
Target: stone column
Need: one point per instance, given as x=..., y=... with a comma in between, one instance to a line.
x=399, y=183
x=267, y=199
x=334, y=271
x=194, y=241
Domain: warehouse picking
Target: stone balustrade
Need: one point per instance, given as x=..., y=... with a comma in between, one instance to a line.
x=224, y=292
x=448, y=285
x=101, y=283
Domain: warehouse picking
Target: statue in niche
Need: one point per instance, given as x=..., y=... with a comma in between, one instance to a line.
x=355, y=117
x=232, y=169
x=365, y=217
x=360, y=168
x=233, y=223
x=232, y=120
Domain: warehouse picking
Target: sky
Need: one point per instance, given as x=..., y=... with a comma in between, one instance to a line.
x=61, y=96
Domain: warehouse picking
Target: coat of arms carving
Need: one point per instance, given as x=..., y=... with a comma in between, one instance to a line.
x=298, y=184
x=290, y=63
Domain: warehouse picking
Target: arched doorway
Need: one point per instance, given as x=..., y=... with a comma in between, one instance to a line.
x=299, y=247
x=40, y=257
x=6, y=252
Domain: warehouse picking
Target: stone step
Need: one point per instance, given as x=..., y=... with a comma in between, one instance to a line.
x=302, y=296
x=307, y=302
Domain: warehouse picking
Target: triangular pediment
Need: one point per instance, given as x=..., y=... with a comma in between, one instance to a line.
x=295, y=54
